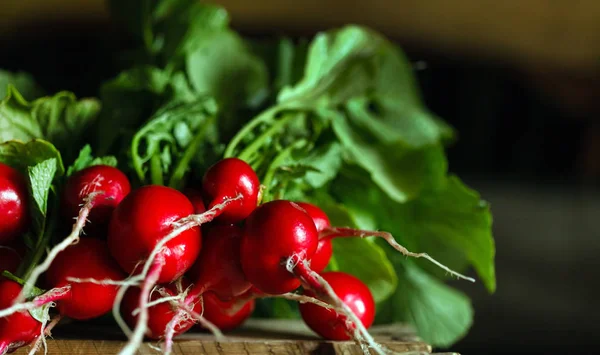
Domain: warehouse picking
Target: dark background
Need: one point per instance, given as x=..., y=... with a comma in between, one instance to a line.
x=527, y=142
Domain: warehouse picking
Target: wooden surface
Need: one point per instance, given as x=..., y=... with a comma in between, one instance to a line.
x=255, y=337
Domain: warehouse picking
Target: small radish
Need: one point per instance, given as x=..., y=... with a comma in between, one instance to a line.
x=151, y=234
x=354, y=293
x=327, y=232
x=90, y=193
x=231, y=188
x=159, y=315
x=324, y=251
x=226, y=315
x=279, y=240
x=218, y=268
x=17, y=329
x=142, y=220
x=275, y=232
x=114, y=186
x=89, y=259
x=14, y=203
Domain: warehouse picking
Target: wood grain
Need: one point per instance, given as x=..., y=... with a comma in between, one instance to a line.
x=256, y=337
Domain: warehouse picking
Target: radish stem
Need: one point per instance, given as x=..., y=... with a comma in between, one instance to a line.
x=339, y=232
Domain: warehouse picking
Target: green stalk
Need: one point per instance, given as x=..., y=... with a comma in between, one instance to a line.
x=156, y=173
x=260, y=140
x=33, y=257
x=262, y=117
x=188, y=154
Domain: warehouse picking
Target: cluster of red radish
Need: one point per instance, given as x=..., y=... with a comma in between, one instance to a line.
x=163, y=260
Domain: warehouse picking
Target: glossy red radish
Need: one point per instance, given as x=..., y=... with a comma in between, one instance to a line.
x=91, y=193
x=111, y=182
x=324, y=251
x=231, y=190
x=327, y=232
x=142, y=220
x=226, y=315
x=159, y=315
x=89, y=259
x=152, y=237
x=354, y=293
x=20, y=328
x=218, y=268
x=14, y=204
x=280, y=238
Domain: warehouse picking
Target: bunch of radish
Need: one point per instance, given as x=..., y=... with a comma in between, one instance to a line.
x=163, y=260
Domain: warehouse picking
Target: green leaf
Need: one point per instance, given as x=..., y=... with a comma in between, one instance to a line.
x=41, y=176
x=133, y=96
x=177, y=136
x=22, y=81
x=367, y=261
x=449, y=222
x=220, y=65
x=85, y=160
x=22, y=155
x=440, y=314
x=60, y=119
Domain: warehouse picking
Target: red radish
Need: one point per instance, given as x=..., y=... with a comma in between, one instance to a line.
x=14, y=204
x=17, y=329
x=159, y=315
x=231, y=188
x=218, y=268
x=324, y=251
x=92, y=192
x=279, y=241
x=113, y=184
x=142, y=220
x=352, y=292
x=226, y=315
x=275, y=232
x=327, y=232
x=89, y=258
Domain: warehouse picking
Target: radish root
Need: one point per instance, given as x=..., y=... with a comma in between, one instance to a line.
x=336, y=232
x=73, y=238
x=137, y=336
x=46, y=298
x=208, y=216
x=317, y=284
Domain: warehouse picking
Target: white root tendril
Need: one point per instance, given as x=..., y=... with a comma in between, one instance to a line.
x=137, y=337
x=73, y=238
x=43, y=299
x=127, y=282
x=208, y=216
x=45, y=331
x=204, y=322
x=333, y=232
x=304, y=299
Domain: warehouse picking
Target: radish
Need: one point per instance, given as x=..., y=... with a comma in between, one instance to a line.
x=159, y=315
x=148, y=234
x=324, y=251
x=142, y=220
x=327, y=232
x=89, y=258
x=351, y=291
x=226, y=315
x=14, y=204
x=92, y=192
x=114, y=186
x=17, y=329
x=218, y=268
x=231, y=189
x=279, y=241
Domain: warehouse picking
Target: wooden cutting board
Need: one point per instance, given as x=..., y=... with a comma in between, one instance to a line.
x=257, y=336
